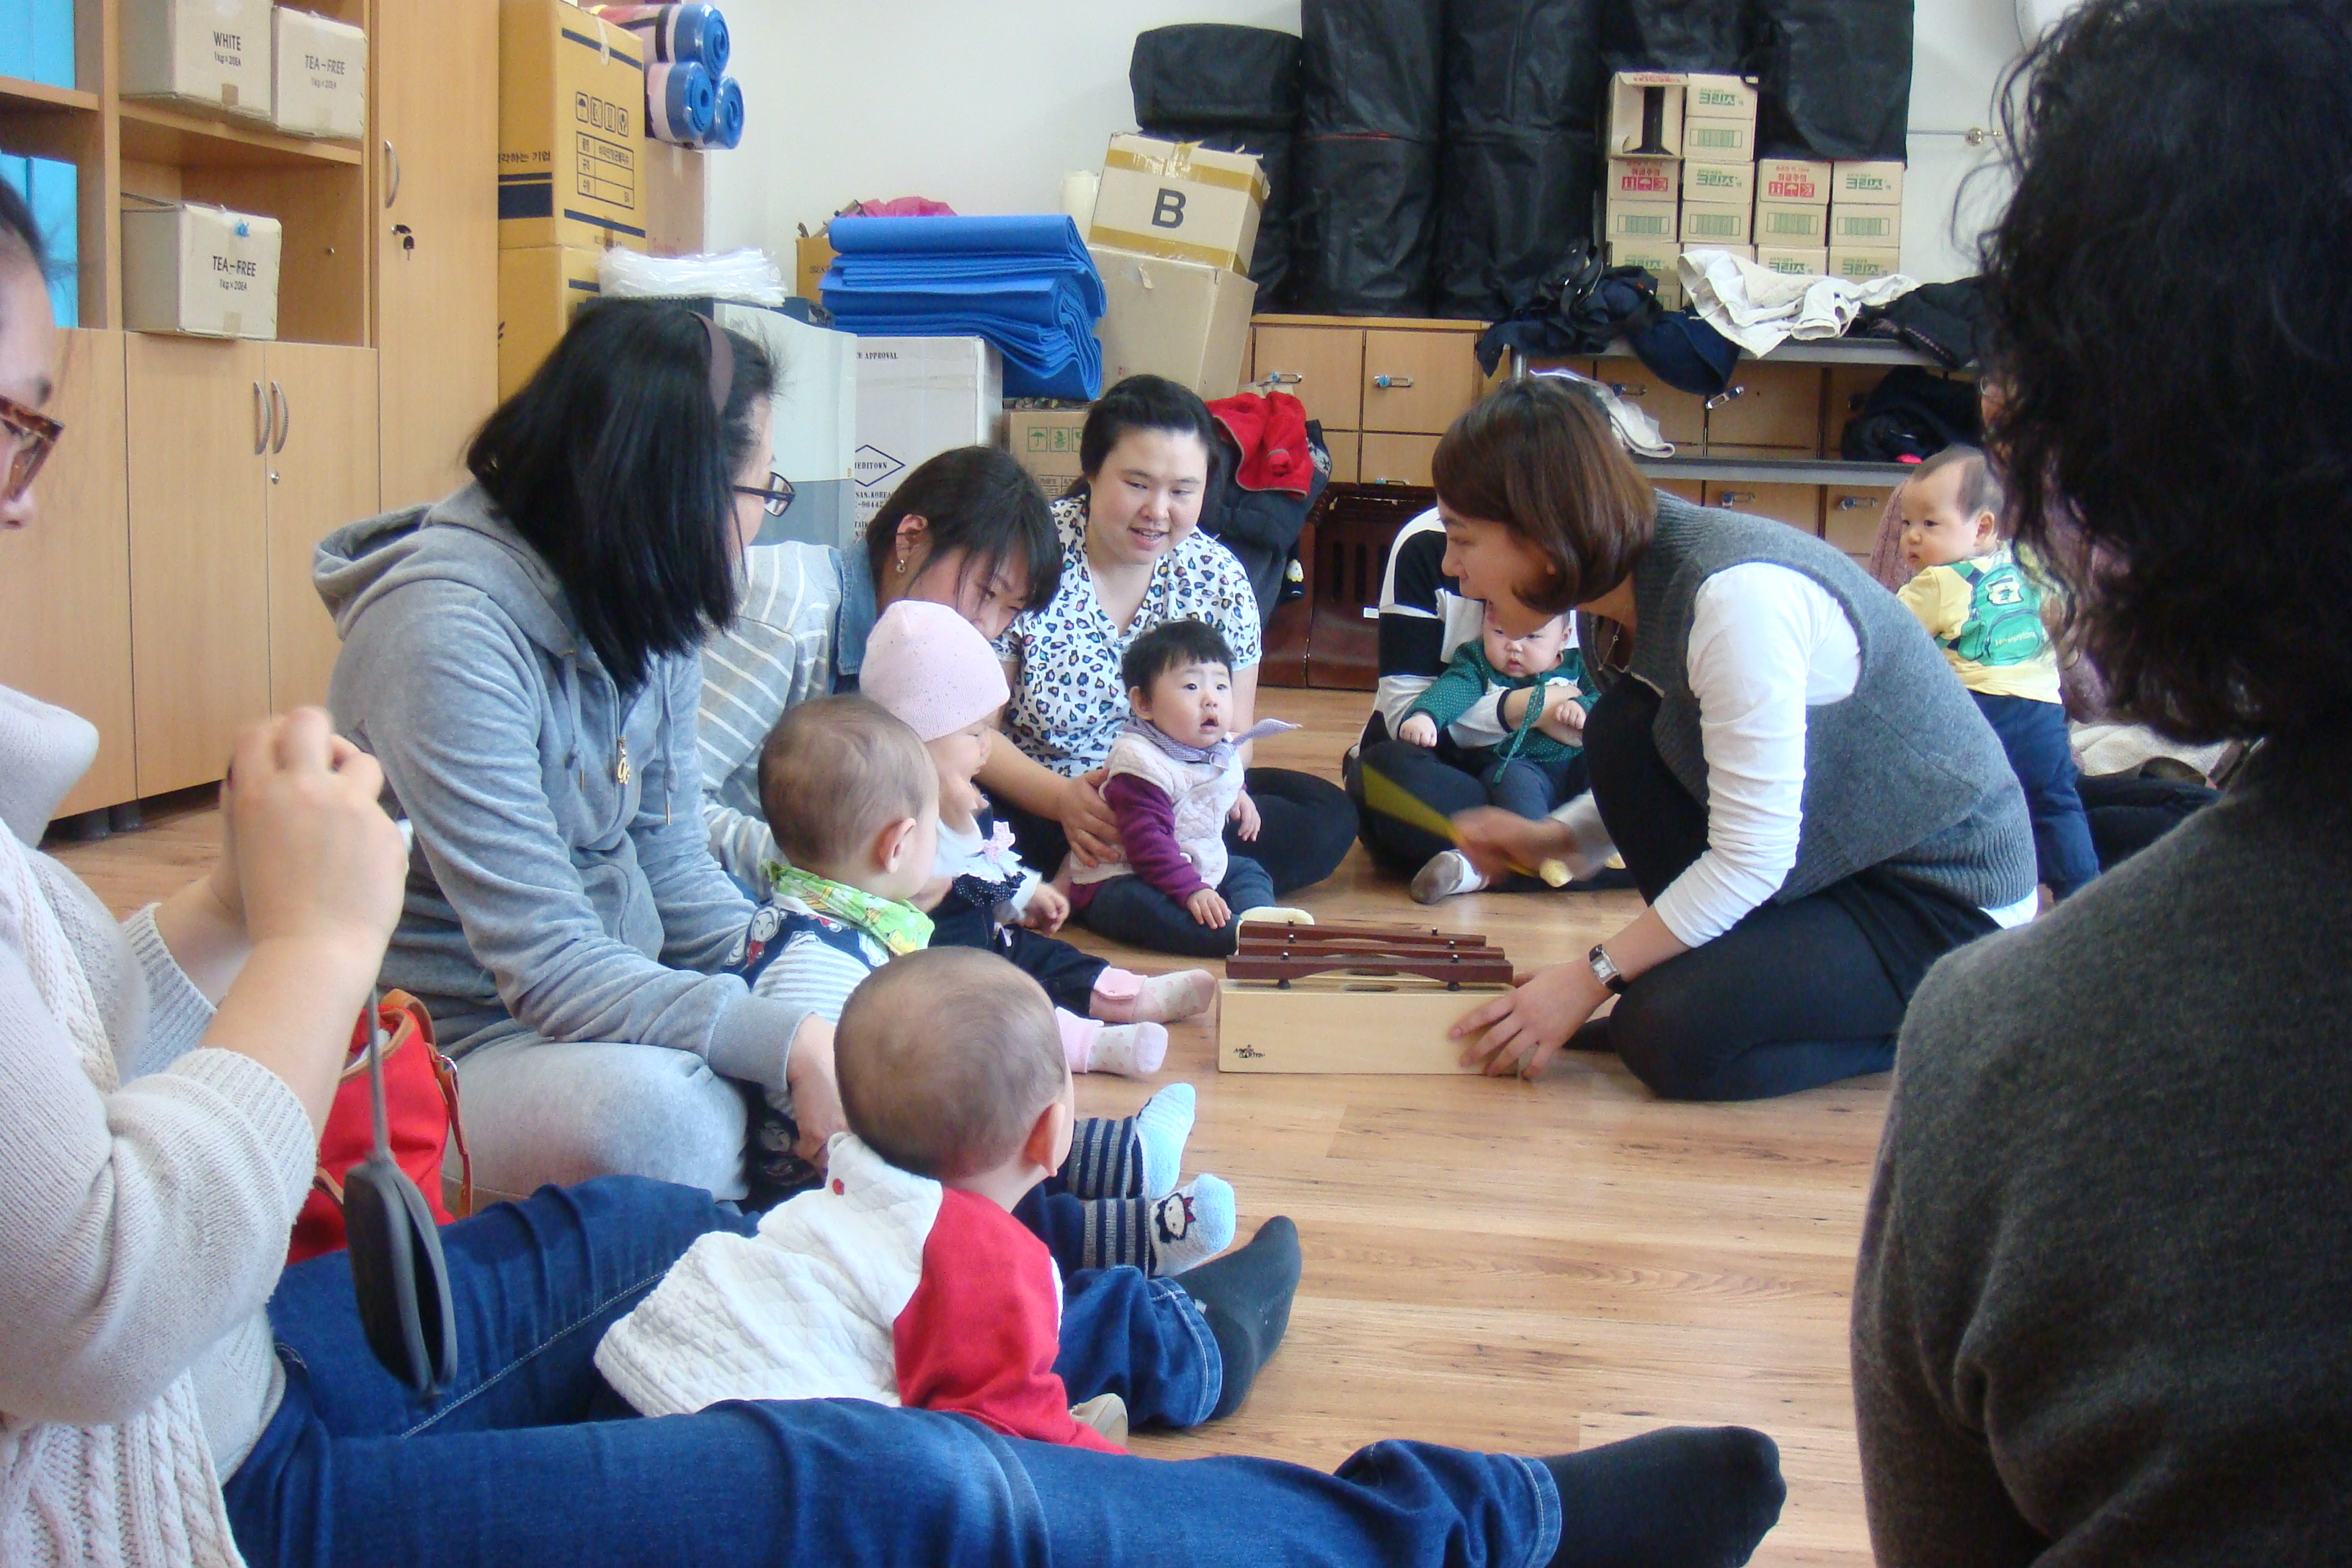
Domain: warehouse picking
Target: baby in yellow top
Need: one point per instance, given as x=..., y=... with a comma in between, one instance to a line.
x=1985, y=611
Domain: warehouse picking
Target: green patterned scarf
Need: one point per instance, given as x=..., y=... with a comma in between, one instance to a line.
x=901, y=929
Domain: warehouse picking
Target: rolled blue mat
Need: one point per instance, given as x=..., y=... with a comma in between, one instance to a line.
x=727, y=123
x=674, y=33
x=681, y=101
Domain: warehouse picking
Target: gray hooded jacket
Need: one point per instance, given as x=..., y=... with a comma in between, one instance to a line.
x=562, y=879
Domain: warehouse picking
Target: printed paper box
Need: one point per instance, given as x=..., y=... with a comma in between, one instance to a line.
x=202, y=270
x=1643, y=180
x=541, y=289
x=572, y=104
x=1653, y=223
x=1044, y=441
x=917, y=397
x=1179, y=202
x=1785, y=226
x=1860, y=227
x=1866, y=184
x=1718, y=141
x=1861, y=265
x=1795, y=261
x=1720, y=185
x=322, y=76
x=1710, y=97
x=213, y=54
x=1645, y=114
x=1795, y=181
x=1713, y=225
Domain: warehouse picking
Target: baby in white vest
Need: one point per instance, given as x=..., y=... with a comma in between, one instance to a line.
x=1173, y=778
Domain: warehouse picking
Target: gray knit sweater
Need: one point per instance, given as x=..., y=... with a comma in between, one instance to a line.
x=2104, y=1312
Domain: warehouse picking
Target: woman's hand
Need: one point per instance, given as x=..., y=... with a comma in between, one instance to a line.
x=1500, y=842
x=1047, y=908
x=1418, y=729
x=816, y=1092
x=1245, y=817
x=312, y=857
x=1088, y=821
x=1521, y=1032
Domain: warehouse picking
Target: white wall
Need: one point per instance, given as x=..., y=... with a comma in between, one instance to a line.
x=986, y=105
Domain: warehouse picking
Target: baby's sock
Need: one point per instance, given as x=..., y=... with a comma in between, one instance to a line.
x=1131, y=1050
x=1122, y=996
x=1161, y=1129
x=1134, y=1156
x=1190, y=1225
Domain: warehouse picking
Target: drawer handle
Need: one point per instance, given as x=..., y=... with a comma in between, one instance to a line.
x=1630, y=388
x=1385, y=382
x=1735, y=497
x=1854, y=503
x=1282, y=378
x=1726, y=395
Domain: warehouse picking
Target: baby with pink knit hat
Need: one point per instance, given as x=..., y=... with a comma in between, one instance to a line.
x=932, y=669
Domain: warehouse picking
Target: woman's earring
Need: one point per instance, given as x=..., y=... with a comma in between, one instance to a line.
x=902, y=566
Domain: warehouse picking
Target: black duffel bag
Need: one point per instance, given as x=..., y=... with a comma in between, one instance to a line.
x=1210, y=75
x=1519, y=66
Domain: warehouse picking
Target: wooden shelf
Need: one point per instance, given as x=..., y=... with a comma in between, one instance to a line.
x=16, y=93
x=1776, y=470
x=1820, y=350
x=156, y=134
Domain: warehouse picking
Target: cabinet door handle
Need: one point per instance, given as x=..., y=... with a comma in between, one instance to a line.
x=1735, y=497
x=1388, y=381
x=1282, y=378
x=1853, y=503
x=1630, y=388
x=391, y=174
x=284, y=416
x=1726, y=395
x=262, y=421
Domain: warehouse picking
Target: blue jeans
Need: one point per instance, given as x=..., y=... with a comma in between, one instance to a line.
x=513, y=1465
x=2042, y=755
x=1131, y=910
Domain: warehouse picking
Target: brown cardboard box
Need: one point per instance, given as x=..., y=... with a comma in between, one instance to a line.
x=1703, y=225
x=1643, y=180
x=571, y=102
x=1183, y=319
x=1866, y=184
x=1864, y=228
x=674, y=196
x=1786, y=226
x=1710, y=97
x=1797, y=261
x=1657, y=258
x=1859, y=264
x=917, y=397
x=1720, y=185
x=1794, y=182
x=1645, y=223
x=202, y=270
x=539, y=290
x=1629, y=93
x=1179, y=202
x=321, y=75
x=1718, y=141
x=813, y=256
x=213, y=54
x=1045, y=442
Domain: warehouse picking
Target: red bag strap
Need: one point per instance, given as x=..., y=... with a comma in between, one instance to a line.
x=404, y=1018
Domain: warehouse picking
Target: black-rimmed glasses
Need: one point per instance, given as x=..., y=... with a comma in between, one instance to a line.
x=33, y=433
x=774, y=499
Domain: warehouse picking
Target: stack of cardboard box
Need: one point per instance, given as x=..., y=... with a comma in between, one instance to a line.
x=1719, y=165
x=1865, y=220
x=1793, y=216
x=1682, y=170
x=1173, y=229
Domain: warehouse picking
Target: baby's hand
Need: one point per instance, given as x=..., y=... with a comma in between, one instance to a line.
x=1208, y=908
x=1419, y=728
x=1563, y=715
x=1244, y=816
x=1047, y=909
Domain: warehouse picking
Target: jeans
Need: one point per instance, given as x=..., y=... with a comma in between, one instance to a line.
x=1131, y=910
x=2042, y=757
x=512, y=1467
x=1793, y=996
x=1451, y=779
x=2127, y=812
x=1309, y=824
x=1067, y=974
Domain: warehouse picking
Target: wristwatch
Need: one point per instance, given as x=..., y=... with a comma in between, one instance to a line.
x=1604, y=970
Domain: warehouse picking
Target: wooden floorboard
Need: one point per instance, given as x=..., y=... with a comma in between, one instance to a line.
x=1530, y=1266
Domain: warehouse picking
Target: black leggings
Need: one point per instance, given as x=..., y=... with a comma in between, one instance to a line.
x=1307, y=825
x=1793, y=996
x=1450, y=780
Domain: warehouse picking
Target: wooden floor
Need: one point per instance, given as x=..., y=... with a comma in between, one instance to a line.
x=1528, y=1267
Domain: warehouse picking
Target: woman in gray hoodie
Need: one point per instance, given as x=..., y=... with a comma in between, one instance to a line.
x=522, y=659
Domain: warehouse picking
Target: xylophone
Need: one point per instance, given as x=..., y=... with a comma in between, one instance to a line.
x=1351, y=998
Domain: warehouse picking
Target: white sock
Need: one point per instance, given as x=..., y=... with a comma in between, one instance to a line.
x=1131, y=1050
x=1162, y=1127
x=1190, y=1225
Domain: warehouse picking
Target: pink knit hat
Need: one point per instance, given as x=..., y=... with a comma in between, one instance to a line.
x=931, y=668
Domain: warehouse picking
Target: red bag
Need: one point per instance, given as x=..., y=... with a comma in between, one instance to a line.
x=420, y=1107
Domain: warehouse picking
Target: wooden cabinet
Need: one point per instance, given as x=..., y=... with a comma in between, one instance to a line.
x=1798, y=506
x=1681, y=416
x=435, y=71
x=1392, y=459
x=322, y=473
x=1774, y=407
x=1850, y=516
x=1321, y=366
x=1418, y=381
x=1347, y=450
x=65, y=581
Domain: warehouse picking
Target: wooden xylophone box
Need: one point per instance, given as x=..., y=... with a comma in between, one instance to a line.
x=1353, y=998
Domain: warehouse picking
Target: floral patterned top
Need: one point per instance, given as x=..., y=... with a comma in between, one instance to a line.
x=1067, y=699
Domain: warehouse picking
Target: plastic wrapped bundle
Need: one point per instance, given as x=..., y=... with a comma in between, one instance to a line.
x=1517, y=66
x=1679, y=35
x=1210, y=75
x=1837, y=79
x=1513, y=209
x=1367, y=217
x=1372, y=67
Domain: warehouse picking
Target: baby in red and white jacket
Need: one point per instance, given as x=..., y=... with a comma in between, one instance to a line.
x=904, y=1278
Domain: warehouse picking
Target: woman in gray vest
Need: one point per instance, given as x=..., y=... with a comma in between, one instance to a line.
x=1808, y=800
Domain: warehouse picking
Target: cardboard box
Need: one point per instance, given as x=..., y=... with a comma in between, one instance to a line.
x=53, y=191
x=1643, y=180
x=1711, y=97
x=1720, y=185
x=541, y=289
x=1187, y=321
x=676, y=185
x=1860, y=264
x=1797, y=261
x=1796, y=181
x=321, y=75
x=1705, y=225
x=1657, y=258
x=1646, y=223
x=206, y=271
x=1866, y=184
x=917, y=397
x=815, y=425
x=1788, y=226
x=1045, y=442
x=1179, y=202
x=814, y=259
x=211, y=53
x=1719, y=140
x=572, y=104
x=1865, y=227
x=1645, y=115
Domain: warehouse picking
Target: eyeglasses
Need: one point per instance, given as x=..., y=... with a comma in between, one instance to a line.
x=773, y=500
x=35, y=434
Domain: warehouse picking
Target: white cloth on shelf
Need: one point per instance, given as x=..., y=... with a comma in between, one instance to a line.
x=1759, y=310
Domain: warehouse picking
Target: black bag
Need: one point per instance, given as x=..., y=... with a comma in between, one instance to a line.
x=1913, y=414
x=1513, y=209
x=1580, y=309
x=1837, y=79
x=1372, y=65
x=1366, y=216
x=1521, y=66
x=1208, y=75
x=1675, y=34
x=1261, y=526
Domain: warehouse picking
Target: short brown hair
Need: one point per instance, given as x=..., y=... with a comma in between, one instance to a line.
x=1980, y=489
x=945, y=1057
x=1541, y=459
x=834, y=771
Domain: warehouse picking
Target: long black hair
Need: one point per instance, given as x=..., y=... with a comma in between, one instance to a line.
x=2171, y=320
x=20, y=236
x=983, y=503
x=615, y=463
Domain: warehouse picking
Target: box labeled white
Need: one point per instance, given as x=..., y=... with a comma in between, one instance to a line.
x=213, y=54
x=1796, y=181
x=1714, y=224
x=1183, y=320
x=1645, y=115
x=206, y=271
x=321, y=75
x=1720, y=185
x=1859, y=227
x=1653, y=223
x=1866, y=184
x=1859, y=265
x=917, y=397
x=1643, y=180
x=1718, y=141
x=1179, y=202
x=1787, y=225
x=1796, y=261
